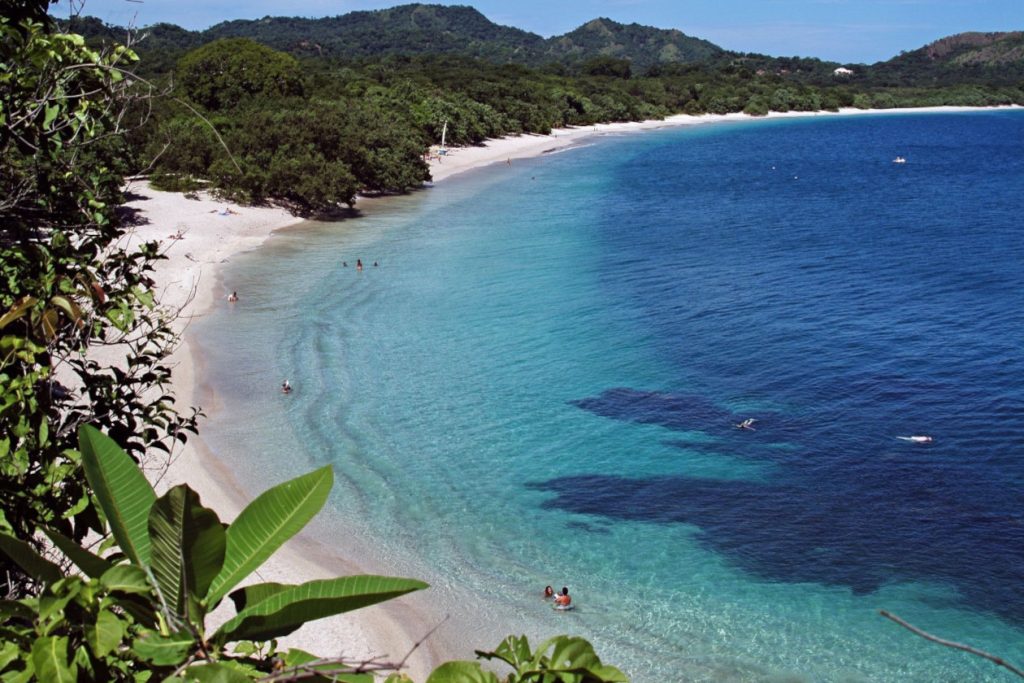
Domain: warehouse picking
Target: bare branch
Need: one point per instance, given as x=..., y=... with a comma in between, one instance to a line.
x=422, y=640
x=949, y=643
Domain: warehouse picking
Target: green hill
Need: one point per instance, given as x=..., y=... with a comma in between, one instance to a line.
x=407, y=29
x=429, y=29
x=989, y=58
x=643, y=46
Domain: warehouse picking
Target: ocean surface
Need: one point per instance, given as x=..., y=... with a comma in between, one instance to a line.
x=539, y=382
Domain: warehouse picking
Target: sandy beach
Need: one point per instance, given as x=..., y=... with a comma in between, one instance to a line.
x=198, y=236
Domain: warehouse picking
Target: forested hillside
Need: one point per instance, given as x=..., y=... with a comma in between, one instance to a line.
x=984, y=58
x=315, y=111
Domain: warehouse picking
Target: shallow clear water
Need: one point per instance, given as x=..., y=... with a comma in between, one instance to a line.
x=538, y=385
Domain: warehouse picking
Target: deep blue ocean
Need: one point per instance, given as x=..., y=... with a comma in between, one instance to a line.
x=539, y=384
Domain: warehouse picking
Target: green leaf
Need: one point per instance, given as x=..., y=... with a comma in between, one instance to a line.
x=69, y=307
x=266, y=523
x=126, y=578
x=34, y=564
x=121, y=489
x=9, y=651
x=12, y=609
x=575, y=655
x=17, y=310
x=461, y=672
x=514, y=651
x=93, y=565
x=287, y=610
x=50, y=658
x=258, y=592
x=187, y=542
x=105, y=634
x=164, y=650
x=215, y=673
x=295, y=657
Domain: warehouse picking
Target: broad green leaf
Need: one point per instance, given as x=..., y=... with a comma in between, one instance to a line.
x=258, y=592
x=461, y=672
x=164, y=650
x=126, y=578
x=576, y=655
x=34, y=564
x=121, y=489
x=105, y=634
x=266, y=523
x=215, y=673
x=9, y=651
x=187, y=546
x=92, y=565
x=287, y=610
x=50, y=659
x=514, y=651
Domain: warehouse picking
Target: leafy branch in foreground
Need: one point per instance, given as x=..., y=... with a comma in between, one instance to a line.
x=70, y=285
x=141, y=610
x=137, y=611
x=562, y=659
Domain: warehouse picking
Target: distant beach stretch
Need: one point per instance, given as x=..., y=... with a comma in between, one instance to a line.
x=637, y=451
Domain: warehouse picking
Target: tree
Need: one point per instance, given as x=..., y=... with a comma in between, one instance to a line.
x=227, y=73
x=68, y=289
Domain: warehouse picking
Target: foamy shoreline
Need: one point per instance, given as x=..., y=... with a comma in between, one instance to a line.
x=190, y=280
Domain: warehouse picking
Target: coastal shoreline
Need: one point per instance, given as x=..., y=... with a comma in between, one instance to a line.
x=199, y=237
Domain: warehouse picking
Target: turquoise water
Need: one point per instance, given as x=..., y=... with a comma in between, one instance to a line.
x=537, y=385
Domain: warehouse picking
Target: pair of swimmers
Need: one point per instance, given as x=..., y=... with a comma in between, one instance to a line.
x=562, y=600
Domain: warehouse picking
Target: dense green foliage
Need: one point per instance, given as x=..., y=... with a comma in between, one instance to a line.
x=372, y=90
x=66, y=290
x=230, y=73
x=140, y=610
x=362, y=125
x=994, y=59
x=137, y=612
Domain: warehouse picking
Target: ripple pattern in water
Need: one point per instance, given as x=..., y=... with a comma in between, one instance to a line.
x=539, y=384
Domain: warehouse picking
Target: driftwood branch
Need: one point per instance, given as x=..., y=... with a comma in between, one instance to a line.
x=949, y=643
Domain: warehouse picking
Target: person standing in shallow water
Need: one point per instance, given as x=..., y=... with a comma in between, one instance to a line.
x=563, y=599
x=359, y=265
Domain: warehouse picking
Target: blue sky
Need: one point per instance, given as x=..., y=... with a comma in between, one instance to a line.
x=840, y=30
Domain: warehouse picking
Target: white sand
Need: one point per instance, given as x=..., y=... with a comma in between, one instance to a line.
x=189, y=280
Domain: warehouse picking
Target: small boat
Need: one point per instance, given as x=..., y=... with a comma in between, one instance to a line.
x=899, y=160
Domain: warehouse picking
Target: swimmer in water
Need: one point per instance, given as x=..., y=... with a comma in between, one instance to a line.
x=747, y=424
